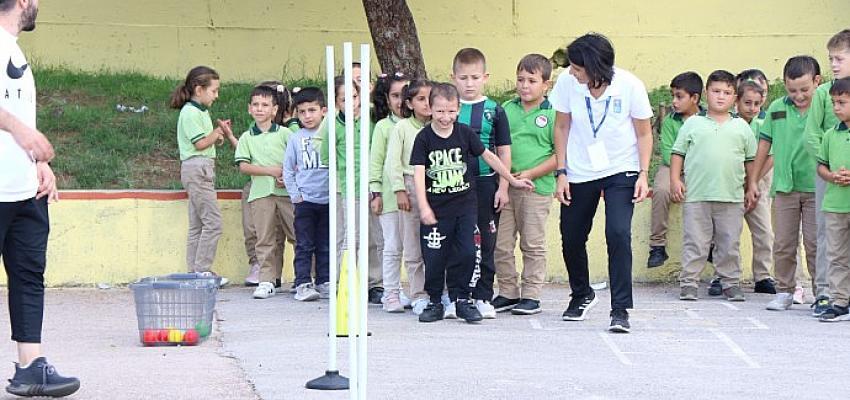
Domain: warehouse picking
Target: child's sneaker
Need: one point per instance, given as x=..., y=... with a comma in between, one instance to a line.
x=657, y=256
x=734, y=293
x=820, y=306
x=392, y=304
x=502, y=303
x=306, y=292
x=324, y=290
x=781, y=302
x=579, y=307
x=527, y=307
x=253, y=278
x=222, y=281
x=486, y=309
x=433, y=312
x=835, y=313
x=451, y=311
x=467, y=311
x=799, y=295
x=688, y=293
x=419, y=305
x=404, y=300
x=765, y=286
x=716, y=288
x=41, y=379
x=264, y=290
x=619, y=321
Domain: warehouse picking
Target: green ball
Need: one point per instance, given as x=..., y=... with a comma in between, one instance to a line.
x=203, y=328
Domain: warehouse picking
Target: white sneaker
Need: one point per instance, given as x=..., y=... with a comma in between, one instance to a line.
x=486, y=309
x=404, y=300
x=222, y=280
x=324, y=290
x=391, y=303
x=451, y=312
x=306, y=292
x=781, y=302
x=264, y=290
x=419, y=306
x=253, y=277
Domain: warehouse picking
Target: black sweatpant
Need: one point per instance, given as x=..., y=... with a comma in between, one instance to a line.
x=448, y=249
x=576, y=222
x=24, y=227
x=488, y=221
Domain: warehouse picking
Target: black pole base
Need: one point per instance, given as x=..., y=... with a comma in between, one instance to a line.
x=332, y=380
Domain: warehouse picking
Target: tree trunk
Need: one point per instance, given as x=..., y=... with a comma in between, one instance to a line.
x=394, y=36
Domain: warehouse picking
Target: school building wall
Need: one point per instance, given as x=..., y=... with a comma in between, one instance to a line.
x=251, y=40
x=116, y=237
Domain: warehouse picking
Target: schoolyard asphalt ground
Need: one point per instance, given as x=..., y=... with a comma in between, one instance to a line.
x=268, y=349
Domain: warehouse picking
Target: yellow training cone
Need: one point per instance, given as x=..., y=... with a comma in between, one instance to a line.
x=342, y=297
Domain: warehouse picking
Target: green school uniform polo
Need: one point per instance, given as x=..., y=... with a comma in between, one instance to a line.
x=669, y=132
x=399, y=148
x=835, y=153
x=714, y=158
x=821, y=118
x=193, y=125
x=378, y=179
x=340, y=151
x=531, y=140
x=794, y=168
x=264, y=149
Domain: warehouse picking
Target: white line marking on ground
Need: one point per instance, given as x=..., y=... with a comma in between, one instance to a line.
x=757, y=324
x=731, y=306
x=614, y=349
x=735, y=348
x=535, y=324
x=692, y=314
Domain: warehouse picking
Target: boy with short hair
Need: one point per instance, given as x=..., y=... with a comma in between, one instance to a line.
x=717, y=150
x=488, y=120
x=833, y=161
x=259, y=154
x=532, y=120
x=686, y=90
x=793, y=186
x=307, y=180
x=820, y=119
x=444, y=156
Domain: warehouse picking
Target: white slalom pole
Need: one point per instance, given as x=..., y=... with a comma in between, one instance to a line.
x=350, y=223
x=365, y=127
x=331, y=380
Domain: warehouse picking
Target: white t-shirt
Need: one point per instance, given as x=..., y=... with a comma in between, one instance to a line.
x=612, y=149
x=18, y=177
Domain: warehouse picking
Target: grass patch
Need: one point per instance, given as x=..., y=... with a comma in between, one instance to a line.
x=99, y=147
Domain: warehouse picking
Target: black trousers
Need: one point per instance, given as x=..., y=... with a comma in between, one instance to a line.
x=576, y=222
x=488, y=222
x=312, y=230
x=448, y=249
x=24, y=227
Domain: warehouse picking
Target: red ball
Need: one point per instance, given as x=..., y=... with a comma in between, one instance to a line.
x=150, y=336
x=191, y=337
x=162, y=335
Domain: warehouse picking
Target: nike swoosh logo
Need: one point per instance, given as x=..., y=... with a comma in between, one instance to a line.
x=630, y=174
x=16, y=72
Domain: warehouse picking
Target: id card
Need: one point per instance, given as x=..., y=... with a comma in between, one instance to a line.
x=598, y=156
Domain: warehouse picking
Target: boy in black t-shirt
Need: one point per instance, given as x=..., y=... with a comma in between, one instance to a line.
x=444, y=157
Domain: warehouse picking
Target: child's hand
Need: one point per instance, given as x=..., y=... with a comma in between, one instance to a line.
x=523, y=175
x=677, y=190
x=501, y=199
x=226, y=127
x=426, y=214
x=403, y=200
x=278, y=181
x=752, y=197
x=641, y=188
x=377, y=205
x=524, y=184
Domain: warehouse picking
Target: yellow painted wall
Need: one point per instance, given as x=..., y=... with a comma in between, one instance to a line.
x=260, y=39
x=119, y=241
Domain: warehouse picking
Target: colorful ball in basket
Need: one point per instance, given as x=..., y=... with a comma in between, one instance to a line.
x=191, y=337
x=162, y=335
x=150, y=336
x=203, y=328
x=175, y=336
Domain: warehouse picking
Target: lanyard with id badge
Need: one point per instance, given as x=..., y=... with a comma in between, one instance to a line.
x=597, y=152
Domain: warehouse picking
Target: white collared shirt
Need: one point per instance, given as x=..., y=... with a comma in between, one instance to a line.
x=18, y=177
x=626, y=99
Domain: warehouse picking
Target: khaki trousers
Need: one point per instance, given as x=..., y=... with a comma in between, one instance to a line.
x=376, y=240
x=248, y=230
x=409, y=221
x=525, y=215
x=758, y=220
x=274, y=219
x=791, y=213
x=197, y=175
x=838, y=256
x=661, y=202
x=706, y=220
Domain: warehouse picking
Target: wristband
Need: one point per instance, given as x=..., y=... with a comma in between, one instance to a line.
x=559, y=172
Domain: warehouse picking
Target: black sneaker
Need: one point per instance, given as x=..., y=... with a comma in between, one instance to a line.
x=277, y=283
x=375, y=295
x=715, y=289
x=710, y=254
x=579, y=307
x=765, y=286
x=502, y=303
x=527, y=307
x=41, y=379
x=835, y=313
x=433, y=312
x=467, y=311
x=820, y=306
x=657, y=256
x=619, y=321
